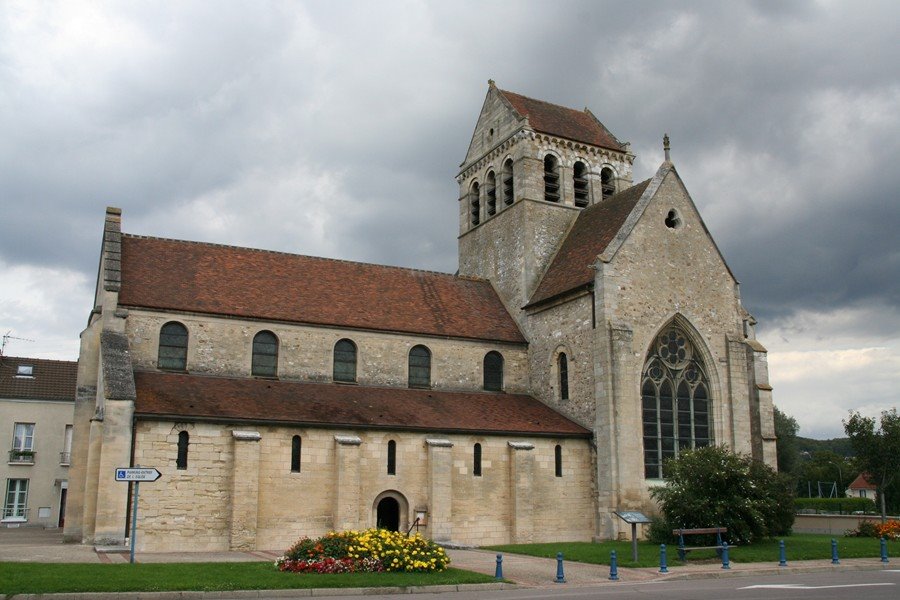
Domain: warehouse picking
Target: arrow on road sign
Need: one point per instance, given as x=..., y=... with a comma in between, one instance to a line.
x=137, y=474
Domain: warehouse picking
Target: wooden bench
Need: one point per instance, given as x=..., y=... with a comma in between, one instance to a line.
x=683, y=550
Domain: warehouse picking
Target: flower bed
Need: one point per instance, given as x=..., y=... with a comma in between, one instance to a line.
x=889, y=530
x=369, y=551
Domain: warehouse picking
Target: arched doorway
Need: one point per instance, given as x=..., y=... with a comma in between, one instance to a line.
x=388, y=514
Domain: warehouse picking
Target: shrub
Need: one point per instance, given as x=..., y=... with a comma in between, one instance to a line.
x=660, y=531
x=713, y=487
x=864, y=529
x=373, y=550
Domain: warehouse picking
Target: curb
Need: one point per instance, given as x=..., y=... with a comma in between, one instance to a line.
x=254, y=594
x=723, y=573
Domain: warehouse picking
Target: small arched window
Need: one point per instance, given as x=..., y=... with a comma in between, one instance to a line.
x=419, y=367
x=296, y=448
x=173, y=343
x=392, y=458
x=557, y=460
x=181, y=461
x=475, y=204
x=476, y=461
x=491, y=192
x=607, y=182
x=265, y=355
x=563, y=367
x=493, y=371
x=344, y=361
x=551, y=178
x=507, y=176
x=581, y=185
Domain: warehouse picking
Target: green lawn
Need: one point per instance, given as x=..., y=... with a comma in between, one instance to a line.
x=797, y=547
x=48, y=578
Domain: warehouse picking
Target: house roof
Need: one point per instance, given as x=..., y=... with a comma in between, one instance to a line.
x=589, y=236
x=221, y=399
x=860, y=483
x=49, y=380
x=242, y=282
x=581, y=126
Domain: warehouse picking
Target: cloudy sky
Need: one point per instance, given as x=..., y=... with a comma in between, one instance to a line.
x=336, y=129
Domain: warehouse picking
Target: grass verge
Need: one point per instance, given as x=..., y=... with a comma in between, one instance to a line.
x=797, y=547
x=48, y=578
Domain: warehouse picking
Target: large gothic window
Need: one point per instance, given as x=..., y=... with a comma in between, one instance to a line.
x=676, y=401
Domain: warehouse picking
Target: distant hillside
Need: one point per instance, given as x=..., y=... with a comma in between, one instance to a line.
x=840, y=446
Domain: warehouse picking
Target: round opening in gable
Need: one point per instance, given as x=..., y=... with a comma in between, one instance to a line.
x=673, y=219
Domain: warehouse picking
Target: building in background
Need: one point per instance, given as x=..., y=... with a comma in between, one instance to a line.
x=593, y=330
x=37, y=400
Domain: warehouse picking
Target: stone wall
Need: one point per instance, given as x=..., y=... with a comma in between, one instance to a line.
x=220, y=346
x=195, y=507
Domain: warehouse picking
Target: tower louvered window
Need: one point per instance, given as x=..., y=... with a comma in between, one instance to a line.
x=607, y=183
x=475, y=204
x=581, y=185
x=551, y=179
x=491, y=194
x=507, y=180
x=676, y=401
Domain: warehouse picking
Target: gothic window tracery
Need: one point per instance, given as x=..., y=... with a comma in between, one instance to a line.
x=676, y=401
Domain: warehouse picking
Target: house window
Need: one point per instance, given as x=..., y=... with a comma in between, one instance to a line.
x=551, y=179
x=345, y=361
x=66, y=454
x=493, y=371
x=607, y=183
x=15, y=506
x=173, y=343
x=22, y=450
x=675, y=400
x=475, y=204
x=181, y=461
x=419, y=367
x=563, y=367
x=557, y=460
x=265, y=355
x=25, y=371
x=392, y=458
x=581, y=185
x=491, y=186
x=507, y=179
x=476, y=461
x=296, y=447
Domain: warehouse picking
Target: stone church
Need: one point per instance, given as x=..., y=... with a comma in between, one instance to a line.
x=593, y=330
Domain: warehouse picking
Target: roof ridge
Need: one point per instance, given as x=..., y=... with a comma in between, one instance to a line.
x=44, y=360
x=283, y=253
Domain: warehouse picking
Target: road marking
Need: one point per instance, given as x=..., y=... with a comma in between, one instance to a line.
x=802, y=586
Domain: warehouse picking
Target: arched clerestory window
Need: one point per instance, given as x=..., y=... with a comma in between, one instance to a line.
x=475, y=204
x=563, y=368
x=607, y=182
x=507, y=179
x=491, y=194
x=419, y=367
x=296, y=449
x=181, y=459
x=392, y=458
x=344, y=361
x=676, y=400
x=551, y=178
x=265, y=355
x=476, y=460
x=581, y=185
x=173, y=344
x=493, y=371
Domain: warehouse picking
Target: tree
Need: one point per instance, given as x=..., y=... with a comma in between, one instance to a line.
x=711, y=486
x=786, y=429
x=877, y=452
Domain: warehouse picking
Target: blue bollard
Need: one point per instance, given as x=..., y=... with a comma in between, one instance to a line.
x=725, y=563
x=782, y=559
x=884, y=557
x=498, y=572
x=834, y=555
x=663, y=567
x=613, y=566
x=560, y=577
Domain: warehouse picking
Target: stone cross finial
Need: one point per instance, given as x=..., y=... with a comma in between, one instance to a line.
x=491, y=82
x=666, y=145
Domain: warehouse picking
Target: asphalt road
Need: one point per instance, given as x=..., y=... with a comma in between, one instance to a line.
x=855, y=585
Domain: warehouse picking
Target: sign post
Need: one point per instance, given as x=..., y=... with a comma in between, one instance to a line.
x=633, y=517
x=136, y=475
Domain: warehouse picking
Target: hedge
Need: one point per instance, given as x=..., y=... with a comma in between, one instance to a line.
x=835, y=505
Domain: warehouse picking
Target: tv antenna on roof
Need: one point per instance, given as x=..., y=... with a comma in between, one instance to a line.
x=7, y=337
